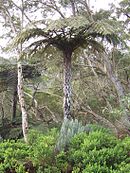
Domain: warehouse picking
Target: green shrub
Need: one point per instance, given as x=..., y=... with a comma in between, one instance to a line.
x=17, y=156
x=95, y=152
x=13, y=155
x=42, y=146
x=99, y=152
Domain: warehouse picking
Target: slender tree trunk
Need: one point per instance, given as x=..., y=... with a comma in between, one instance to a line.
x=22, y=101
x=20, y=85
x=73, y=7
x=114, y=78
x=2, y=109
x=67, y=85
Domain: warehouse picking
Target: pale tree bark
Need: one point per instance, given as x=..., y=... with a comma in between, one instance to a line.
x=73, y=7
x=2, y=108
x=22, y=101
x=67, y=85
x=20, y=86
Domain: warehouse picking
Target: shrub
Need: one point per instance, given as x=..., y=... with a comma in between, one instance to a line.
x=99, y=152
x=42, y=146
x=13, y=155
x=95, y=152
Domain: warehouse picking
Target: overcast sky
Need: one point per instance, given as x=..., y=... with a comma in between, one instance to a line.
x=102, y=3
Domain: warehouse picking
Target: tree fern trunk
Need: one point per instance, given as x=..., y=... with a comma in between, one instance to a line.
x=67, y=85
x=22, y=102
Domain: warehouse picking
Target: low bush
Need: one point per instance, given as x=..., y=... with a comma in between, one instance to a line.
x=42, y=147
x=95, y=152
x=13, y=156
x=99, y=152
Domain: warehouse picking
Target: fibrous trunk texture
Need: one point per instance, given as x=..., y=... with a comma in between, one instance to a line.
x=22, y=102
x=67, y=85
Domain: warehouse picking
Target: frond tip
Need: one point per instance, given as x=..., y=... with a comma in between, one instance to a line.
x=105, y=30
x=25, y=35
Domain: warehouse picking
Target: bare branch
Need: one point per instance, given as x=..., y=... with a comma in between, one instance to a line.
x=54, y=7
x=23, y=12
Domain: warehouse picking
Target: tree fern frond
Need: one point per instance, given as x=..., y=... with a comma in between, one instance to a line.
x=102, y=27
x=71, y=22
x=37, y=45
x=105, y=30
x=25, y=35
x=65, y=32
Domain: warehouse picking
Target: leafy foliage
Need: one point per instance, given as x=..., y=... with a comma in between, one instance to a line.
x=73, y=32
x=42, y=147
x=13, y=156
x=97, y=151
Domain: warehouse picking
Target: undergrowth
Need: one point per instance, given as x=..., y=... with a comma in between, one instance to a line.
x=96, y=151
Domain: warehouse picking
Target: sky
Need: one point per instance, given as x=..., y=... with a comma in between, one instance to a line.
x=97, y=4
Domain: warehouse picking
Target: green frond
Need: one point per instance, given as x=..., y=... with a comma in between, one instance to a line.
x=71, y=22
x=25, y=35
x=74, y=31
x=104, y=29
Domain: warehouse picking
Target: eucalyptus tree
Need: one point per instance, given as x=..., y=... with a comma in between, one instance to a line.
x=13, y=20
x=67, y=34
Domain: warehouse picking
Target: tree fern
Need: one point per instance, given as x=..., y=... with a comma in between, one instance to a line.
x=67, y=35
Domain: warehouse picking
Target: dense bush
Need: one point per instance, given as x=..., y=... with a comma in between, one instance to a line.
x=13, y=156
x=99, y=152
x=42, y=147
x=95, y=152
